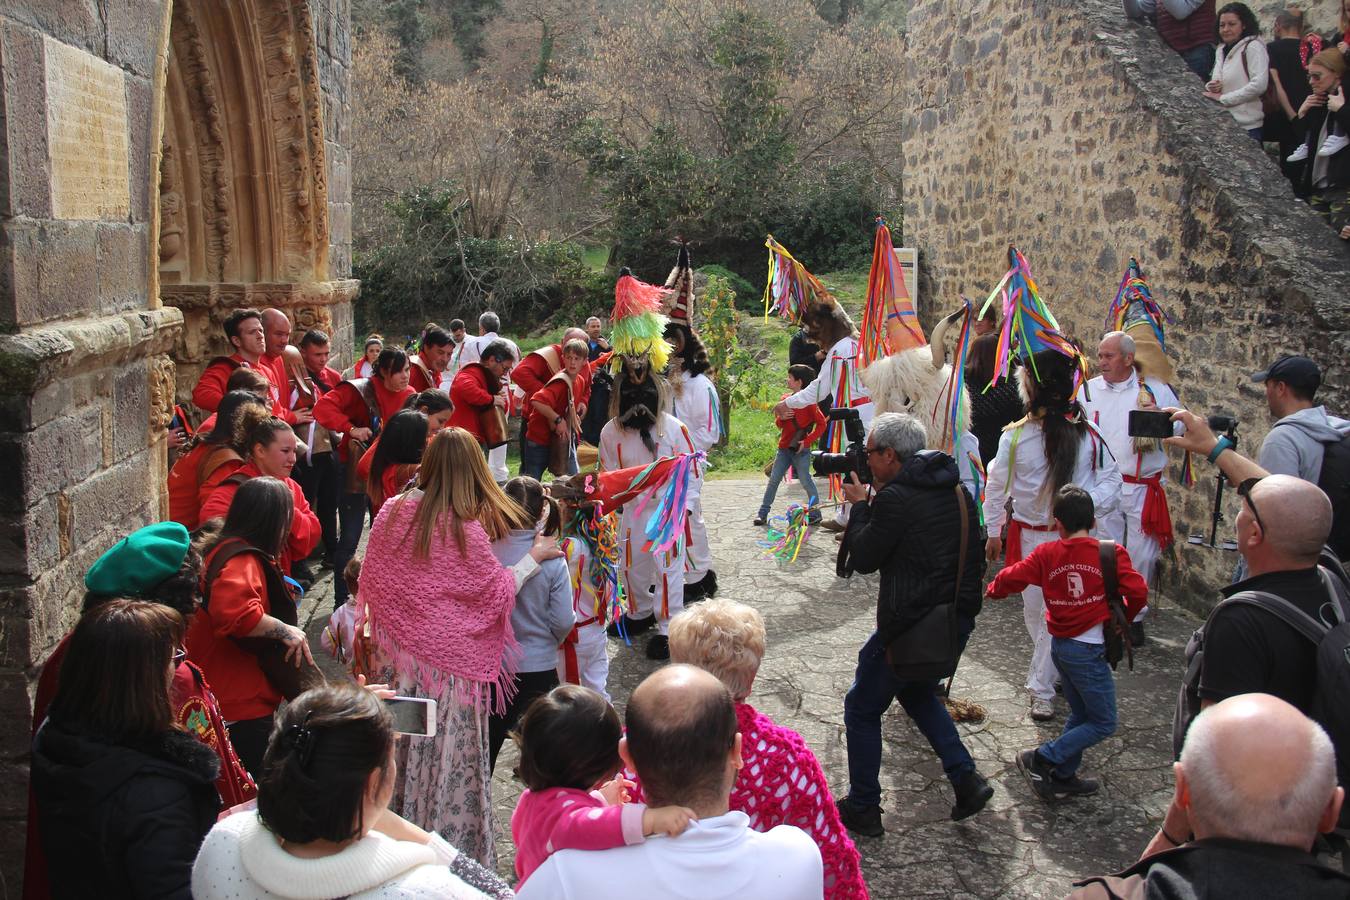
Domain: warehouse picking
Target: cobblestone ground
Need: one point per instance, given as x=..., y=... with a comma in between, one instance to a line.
x=1018, y=846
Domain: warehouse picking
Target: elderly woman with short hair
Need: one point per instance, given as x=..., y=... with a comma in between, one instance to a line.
x=781, y=782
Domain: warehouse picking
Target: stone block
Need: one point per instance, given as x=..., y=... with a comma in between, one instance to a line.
x=75, y=22
x=48, y=270
x=141, y=142
x=130, y=412
x=31, y=543
x=123, y=255
x=134, y=34
x=105, y=498
x=28, y=187
x=52, y=457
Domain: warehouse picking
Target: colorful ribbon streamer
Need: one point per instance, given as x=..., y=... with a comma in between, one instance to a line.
x=889, y=323
x=790, y=288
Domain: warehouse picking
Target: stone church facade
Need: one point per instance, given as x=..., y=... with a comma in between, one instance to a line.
x=161, y=163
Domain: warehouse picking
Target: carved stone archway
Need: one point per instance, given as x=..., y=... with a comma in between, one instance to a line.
x=243, y=211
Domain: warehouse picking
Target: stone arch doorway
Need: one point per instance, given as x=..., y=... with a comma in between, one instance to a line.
x=243, y=175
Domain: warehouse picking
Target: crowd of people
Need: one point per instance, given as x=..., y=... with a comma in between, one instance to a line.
x=1288, y=92
x=186, y=743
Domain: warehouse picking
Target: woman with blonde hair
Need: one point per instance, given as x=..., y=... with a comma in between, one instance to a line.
x=781, y=782
x=438, y=605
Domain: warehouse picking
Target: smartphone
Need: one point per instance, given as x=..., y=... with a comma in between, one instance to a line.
x=413, y=715
x=1149, y=423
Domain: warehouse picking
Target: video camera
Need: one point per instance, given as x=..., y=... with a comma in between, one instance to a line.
x=854, y=459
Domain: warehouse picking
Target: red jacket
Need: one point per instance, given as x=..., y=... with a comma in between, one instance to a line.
x=305, y=531
x=533, y=372
x=238, y=603
x=554, y=396
x=808, y=417
x=343, y=408
x=211, y=386
x=188, y=490
x=1070, y=573
x=469, y=394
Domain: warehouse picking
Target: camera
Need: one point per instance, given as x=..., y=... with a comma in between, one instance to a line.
x=854, y=459
x=1224, y=425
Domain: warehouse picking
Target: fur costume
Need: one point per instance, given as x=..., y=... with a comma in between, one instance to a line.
x=919, y=381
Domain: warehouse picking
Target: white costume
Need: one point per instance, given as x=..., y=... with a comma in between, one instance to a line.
x=651, y=581
x=839, y=383
x=1109, y=409
x=471, y=351
x=713, y=859
x=1032, y=498
x=586, y=647
x=696, y=406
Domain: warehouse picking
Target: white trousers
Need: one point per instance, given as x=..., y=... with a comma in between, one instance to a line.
x=592, y=658
x=653, y=582
x=1041, y=674
x=698, y=555
x=1125, y=526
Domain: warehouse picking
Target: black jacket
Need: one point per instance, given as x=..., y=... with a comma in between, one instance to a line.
x=911, y=533
x=1338, y=167
x=121, y=821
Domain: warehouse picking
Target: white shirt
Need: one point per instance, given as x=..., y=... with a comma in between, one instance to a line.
x=718, y=858
x=696, y=406
x=241, y=860
x=1109, y=409
x=841, y=363
x=1030, y=490
x=622, y=447
x=967, y=447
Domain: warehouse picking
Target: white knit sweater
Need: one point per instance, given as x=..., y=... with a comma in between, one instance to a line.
x=241, y=860
x=1243, y=85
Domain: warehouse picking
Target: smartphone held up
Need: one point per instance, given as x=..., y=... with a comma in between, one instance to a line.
x=414, y=716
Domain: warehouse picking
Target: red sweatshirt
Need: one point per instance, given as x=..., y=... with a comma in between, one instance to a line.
x=238, y=603
x=809, y=417
x=305, y=531
x=469, y=394
x=1070, y=573
x=343, y=408
x=211, y=386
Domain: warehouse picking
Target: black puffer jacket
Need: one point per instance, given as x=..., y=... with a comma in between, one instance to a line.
x=120, y=821
x=911, y=532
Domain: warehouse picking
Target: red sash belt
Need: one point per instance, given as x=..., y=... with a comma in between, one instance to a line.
x=860, y=401
x=1013, y=551
x=571, y=670
x=1156, y=519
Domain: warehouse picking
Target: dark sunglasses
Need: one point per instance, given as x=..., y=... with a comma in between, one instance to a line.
x=1244, y=491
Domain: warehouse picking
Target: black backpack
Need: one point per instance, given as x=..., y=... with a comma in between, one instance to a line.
x=1330, y=635
x=1334, y=480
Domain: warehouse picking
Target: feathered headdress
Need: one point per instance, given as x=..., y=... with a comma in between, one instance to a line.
x=890, y=324
x=637, y=323
x=678, y=303
x=1135, y=312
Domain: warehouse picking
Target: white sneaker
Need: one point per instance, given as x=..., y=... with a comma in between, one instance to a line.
x=1334, y=144
x=1042, y=710
x=1298, y=155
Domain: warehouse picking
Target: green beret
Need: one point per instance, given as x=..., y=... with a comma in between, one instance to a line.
x=139, y=561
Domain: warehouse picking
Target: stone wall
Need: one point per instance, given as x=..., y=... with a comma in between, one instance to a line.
x=1078, y=137
x=101, y=322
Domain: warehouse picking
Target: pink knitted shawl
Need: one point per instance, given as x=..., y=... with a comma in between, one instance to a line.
x=782, y=783
x=445, y=619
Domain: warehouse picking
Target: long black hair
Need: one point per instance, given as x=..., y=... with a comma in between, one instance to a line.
x=430, y=401
x=1047, y=388
x=403, y=440
x=260, y=514
x=692, y=355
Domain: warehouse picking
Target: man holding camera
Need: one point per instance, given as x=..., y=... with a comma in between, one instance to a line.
x=921, y=531
x=1142, y=522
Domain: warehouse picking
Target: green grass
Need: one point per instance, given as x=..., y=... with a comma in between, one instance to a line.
x=597, y=257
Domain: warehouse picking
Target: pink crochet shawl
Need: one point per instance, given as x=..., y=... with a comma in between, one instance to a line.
x=782, y=783
x=445, y=619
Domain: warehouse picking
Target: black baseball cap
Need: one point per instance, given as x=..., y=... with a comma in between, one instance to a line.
x=1298, y=372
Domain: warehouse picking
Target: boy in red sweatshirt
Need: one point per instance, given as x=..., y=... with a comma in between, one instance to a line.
x=1077, y=614
x=799, y=431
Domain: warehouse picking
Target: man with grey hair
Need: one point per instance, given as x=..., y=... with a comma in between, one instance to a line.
x=920, y=530
x=1141, y=522
x=1255, y=785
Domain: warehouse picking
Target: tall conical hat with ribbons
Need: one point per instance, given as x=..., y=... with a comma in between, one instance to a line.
x=890, y=324
x=1135, y=312
x=679, y=302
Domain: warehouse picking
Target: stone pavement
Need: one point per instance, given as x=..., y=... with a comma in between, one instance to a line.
x=1018, y=846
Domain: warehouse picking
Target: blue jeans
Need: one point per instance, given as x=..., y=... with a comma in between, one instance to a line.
x=352, y=509
x=1090, y=689
x=534, y=459
x=800, y=463
x=1200, y=60
x=1255, y=133
x=874, y=688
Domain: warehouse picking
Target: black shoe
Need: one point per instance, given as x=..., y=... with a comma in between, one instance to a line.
x=631, y=626
x=301, y=573
x=760, y=520
x=1137, y=634
x=709, y=584
x=1038, y=772
x=695, y=592
x=1073, y=786
x=658, y=647
x=863, y=819
x=972, y=793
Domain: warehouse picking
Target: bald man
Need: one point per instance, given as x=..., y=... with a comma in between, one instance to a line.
x=1255, y=785
x=683, y=743
x=276, y=337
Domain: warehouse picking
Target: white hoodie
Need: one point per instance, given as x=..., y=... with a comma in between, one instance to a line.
x=1295, y=444
x=1245, y=74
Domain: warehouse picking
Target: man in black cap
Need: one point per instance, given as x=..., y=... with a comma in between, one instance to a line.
x=1302, y=431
